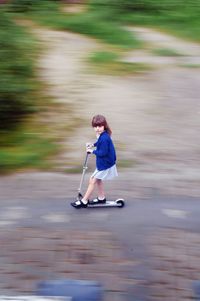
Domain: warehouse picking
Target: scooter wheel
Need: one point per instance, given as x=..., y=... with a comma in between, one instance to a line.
x=120, y=203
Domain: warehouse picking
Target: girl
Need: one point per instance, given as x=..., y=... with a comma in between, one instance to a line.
x=105, y=162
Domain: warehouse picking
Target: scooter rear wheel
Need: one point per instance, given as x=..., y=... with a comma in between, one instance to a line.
x=120, y=203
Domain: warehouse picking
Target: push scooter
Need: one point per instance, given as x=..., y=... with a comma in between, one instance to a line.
x=116, y=203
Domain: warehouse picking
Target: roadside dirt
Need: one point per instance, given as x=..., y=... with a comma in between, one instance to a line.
x=154, y=115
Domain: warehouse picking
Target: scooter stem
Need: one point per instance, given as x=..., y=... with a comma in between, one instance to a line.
x=83, y=173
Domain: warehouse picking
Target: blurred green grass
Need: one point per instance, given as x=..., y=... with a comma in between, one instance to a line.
x=166, y=52
x=107, y=62
x=89, y=24
x=23, y=149
x=179, y=23
x=190, y=65
x=92, y=23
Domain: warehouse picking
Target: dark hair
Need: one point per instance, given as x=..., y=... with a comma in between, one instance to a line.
x=100, y=120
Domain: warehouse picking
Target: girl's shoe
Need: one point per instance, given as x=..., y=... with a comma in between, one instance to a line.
x=98, y=201
x=79, y=204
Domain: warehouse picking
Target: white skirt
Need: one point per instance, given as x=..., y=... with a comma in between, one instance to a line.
x=106, y=174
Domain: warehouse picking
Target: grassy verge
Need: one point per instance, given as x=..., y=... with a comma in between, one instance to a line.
x=166, y=52
x=25, y=148
x=107, y=62
x=37, y=142
x=22, y=142
x=184, y=24
x=192, y=66
x=87, y=23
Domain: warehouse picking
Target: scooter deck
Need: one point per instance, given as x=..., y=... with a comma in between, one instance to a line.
x=116, y=203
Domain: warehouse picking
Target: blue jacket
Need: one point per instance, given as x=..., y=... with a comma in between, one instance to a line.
x=105, y=152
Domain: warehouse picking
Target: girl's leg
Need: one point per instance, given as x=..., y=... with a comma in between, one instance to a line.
x=90, y=189
x=101, y=193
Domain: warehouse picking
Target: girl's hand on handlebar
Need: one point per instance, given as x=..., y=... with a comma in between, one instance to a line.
x=89, y=147
x=89, y=150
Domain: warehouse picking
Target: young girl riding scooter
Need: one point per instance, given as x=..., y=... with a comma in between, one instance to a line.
x=105, y=162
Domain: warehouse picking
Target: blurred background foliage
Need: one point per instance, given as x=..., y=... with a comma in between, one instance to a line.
x=30, y=5
x=20, y=92
x=17, y=80
x=20, y=98
x=178, y=16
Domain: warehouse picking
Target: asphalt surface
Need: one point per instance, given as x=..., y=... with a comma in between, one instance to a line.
x=147, y=250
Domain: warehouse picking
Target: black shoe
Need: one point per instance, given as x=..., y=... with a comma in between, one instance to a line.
x=97, y=201
x=79, y=204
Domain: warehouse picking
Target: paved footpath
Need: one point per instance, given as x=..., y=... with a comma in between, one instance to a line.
x=149, y=250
